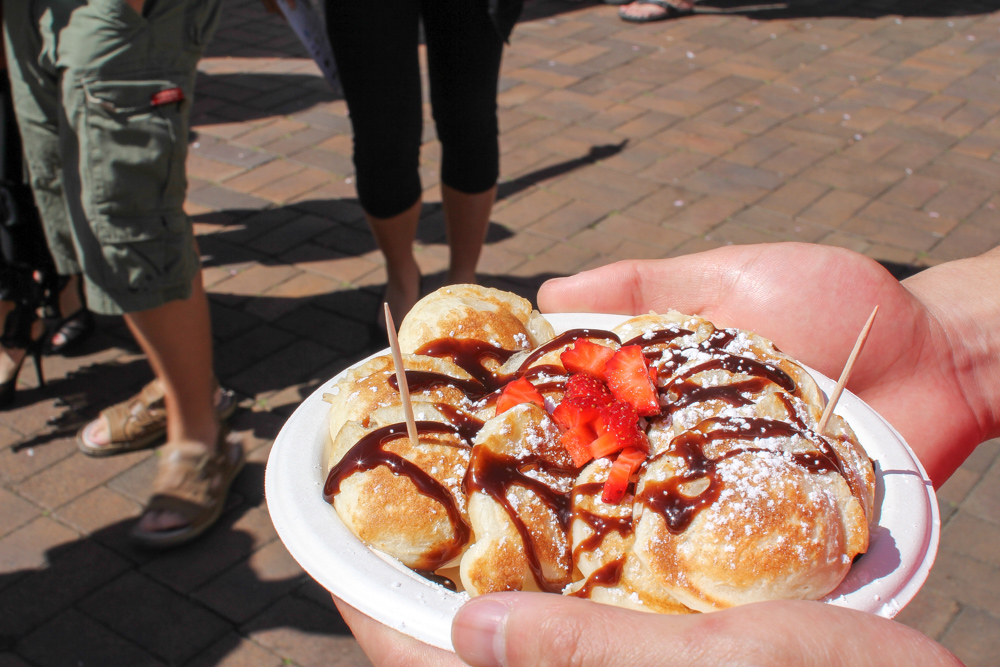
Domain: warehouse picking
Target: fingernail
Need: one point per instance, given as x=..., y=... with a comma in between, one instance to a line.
x=478, y=633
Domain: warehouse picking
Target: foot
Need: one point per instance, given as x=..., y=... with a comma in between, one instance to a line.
x=97, y=433
x=648, y=11
x=190, y=490
x=402, y=290
x=158, y=521
x=10, y=362
x=11, y=358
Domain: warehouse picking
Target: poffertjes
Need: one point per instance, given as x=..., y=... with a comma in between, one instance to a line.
x=665, y=465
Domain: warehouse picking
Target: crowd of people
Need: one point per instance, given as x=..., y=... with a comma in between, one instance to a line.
x=93, y=221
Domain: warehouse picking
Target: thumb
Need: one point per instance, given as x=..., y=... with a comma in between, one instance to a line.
x=544, y=630
x=690, y=283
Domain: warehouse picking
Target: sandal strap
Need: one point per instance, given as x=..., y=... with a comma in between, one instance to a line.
x=139, y=416
x=192, y=481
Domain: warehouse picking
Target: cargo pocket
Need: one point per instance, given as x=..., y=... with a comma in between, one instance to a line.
x=134, y=151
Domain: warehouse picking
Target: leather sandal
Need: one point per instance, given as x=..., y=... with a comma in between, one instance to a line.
x=193, y=483
x=140, y=421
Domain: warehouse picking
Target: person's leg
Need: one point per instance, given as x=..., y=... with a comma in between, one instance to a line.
x=125, y=187
x=395, y=236
x=463, y=55
x=375, y=46
x=183, y=363
x=467, y=218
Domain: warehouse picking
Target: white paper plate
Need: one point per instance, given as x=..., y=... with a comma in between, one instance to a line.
x=903, y=543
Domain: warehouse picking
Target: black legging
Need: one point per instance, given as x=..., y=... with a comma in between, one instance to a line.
x=375, y=46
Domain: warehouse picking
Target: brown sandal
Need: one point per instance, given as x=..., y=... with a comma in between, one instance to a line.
x=140, y=421
x=193, y=483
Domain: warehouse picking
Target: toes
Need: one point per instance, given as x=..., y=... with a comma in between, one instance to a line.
x=154, y=522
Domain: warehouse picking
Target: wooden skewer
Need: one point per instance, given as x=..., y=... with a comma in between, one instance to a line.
x=846, y=374
x=404, y=389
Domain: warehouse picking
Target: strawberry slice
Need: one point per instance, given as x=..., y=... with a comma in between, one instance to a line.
x=573, y=412
x=628, y=379
x=605, y=445
x=586, y=357
x=577, y=442
x=620, y=421
x=582, y=385
x=617, y=483
x=517, y=392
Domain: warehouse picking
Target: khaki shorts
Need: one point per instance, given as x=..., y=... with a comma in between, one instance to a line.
x=105, y=145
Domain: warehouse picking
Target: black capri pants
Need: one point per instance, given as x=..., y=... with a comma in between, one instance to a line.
x=375, y=46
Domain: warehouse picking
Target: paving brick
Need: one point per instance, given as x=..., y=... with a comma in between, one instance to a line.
x=24, y=548
x=73, y=476
x=73, y=570
x=14, y=512
x=74, y=639
x=974, y=637
x=793, y=197
x=703, y=215
x=249, y=587
x=306, y=633
x=930, y=613
x=190, y=629
x=96, y=509
x=258, y=177
x=530, y=208
x=234, y=650
x=568, y=220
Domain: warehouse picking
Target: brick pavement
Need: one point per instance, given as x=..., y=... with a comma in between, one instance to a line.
x=868, y=125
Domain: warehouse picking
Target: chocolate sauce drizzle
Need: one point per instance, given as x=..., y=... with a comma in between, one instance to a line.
x=494, y=474
x=678, y=509
x=370, y=453
x=607, y=575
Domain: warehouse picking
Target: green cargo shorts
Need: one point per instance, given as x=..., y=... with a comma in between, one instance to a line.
x=103, y=99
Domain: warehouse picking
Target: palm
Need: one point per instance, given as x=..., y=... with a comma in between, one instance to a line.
x=811, y=301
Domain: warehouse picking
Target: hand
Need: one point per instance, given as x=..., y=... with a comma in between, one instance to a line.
x=385, y=646
x=540, y=629
x=930, y=364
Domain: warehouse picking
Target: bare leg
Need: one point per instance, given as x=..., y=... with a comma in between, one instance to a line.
x=10, y=360
x=395, y=237
x=466, y=218
x=182, y=360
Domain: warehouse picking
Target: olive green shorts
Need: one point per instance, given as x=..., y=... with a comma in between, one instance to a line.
x=103, y=99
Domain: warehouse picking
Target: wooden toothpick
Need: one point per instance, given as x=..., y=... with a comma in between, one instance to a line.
x=846, y=374
x=404, y=389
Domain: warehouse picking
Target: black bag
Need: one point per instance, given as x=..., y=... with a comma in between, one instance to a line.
x=22, y=240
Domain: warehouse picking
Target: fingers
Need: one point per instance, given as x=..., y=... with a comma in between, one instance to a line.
x=385, y=646
x=537, y=629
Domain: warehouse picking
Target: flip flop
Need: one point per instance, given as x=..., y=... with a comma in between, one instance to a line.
x=671, y=12
x=193, y=483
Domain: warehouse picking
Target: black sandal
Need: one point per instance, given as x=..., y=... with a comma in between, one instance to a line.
x=74, y=328
x=15, y=334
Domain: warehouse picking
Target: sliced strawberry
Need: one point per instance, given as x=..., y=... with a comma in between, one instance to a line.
x=573, y=412
x=582, y=385
x=621, y=421
x=577, y=442
x=586, y=357
x=628, y=379
x=621, y=470
x=605, y=445
x=517, y=392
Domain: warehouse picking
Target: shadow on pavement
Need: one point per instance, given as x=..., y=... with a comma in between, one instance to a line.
x=100, y=601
